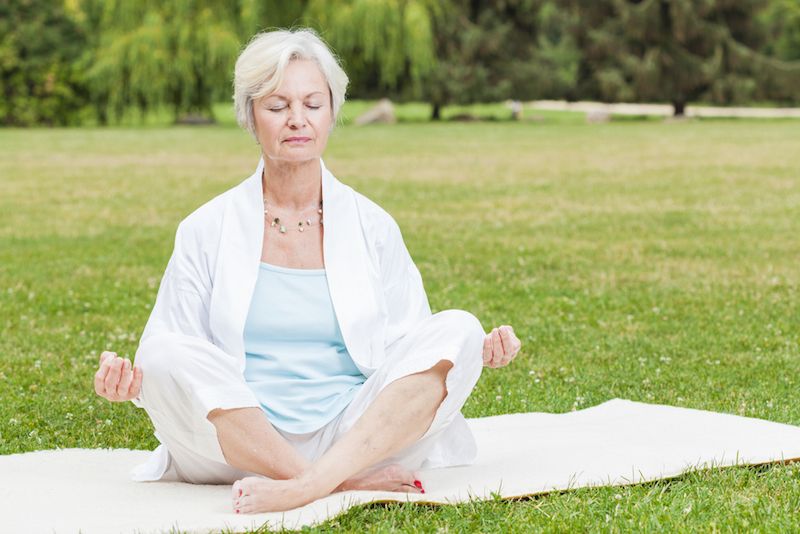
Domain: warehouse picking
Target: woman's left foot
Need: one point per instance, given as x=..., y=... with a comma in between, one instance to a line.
x=254, y=495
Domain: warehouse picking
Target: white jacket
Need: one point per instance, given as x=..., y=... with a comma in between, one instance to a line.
x=375, y=287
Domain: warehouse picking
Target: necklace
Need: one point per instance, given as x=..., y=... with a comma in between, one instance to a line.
x=301, y=225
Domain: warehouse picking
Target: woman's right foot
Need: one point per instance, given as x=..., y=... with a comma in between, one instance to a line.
x=392, y=477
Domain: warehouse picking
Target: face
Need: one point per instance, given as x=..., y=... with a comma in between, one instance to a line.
x=293, y=123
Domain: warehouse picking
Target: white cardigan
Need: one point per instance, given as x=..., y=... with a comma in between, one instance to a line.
x=375, y=287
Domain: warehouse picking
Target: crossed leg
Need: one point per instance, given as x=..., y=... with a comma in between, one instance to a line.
x=216, y=432
x=399, y=416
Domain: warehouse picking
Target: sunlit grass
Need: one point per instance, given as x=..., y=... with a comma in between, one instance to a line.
x=651, y=261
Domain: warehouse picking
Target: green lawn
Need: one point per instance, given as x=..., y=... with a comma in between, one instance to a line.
x=644, y=260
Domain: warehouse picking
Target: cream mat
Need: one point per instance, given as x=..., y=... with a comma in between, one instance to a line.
x=615, y=443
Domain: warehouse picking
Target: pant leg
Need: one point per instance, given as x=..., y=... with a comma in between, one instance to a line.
x=184, y=379
x=453, y=335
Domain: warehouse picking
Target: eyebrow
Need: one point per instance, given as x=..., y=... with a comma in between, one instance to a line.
x=284, y=98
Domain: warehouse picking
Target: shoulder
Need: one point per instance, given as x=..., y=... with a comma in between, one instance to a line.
x=204, y=223
x=378, y=223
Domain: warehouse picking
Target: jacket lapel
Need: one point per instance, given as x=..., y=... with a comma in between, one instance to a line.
x=347, y=264
x=238, y=259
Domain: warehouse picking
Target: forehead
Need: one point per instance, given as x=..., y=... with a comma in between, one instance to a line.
x=301, y=78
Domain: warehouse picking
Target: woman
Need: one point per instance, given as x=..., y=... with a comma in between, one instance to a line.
x=291, y=350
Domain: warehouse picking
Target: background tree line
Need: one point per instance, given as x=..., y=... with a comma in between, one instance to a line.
x=63, y=61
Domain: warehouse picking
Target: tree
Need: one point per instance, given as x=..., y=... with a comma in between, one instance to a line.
x=150, y=53
x=676, y=50
x=39, y=83
x=387, y=46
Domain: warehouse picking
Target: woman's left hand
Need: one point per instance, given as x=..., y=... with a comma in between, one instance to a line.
x=500, y=346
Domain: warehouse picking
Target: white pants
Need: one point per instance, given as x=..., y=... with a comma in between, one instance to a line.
x=178, y=368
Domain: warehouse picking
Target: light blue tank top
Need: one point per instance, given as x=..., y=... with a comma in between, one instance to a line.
x=297, y=363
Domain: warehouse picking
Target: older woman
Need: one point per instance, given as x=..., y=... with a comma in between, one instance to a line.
x=291, y=350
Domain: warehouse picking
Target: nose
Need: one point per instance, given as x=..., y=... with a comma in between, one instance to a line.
x=297, y=116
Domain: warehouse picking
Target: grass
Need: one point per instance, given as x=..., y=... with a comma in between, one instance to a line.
x=644, y=260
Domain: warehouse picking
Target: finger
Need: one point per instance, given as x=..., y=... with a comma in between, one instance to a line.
x=487, y=349
x=505, y=338
x=100, y=380
x=125, y=379
x=113, y=378
x=136, y=383
x=497, y=347
x=105, y=355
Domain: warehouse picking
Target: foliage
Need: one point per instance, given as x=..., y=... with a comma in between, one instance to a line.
x=151, y=53
x=117, y=56
x=677, y=51
x=39, y=80
x=385, y=45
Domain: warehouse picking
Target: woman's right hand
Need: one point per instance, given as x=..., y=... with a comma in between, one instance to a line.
x=115, y=380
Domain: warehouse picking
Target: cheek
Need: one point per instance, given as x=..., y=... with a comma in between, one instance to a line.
x=266, y=125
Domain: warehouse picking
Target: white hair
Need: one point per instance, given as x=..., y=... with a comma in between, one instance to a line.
x=260, y=67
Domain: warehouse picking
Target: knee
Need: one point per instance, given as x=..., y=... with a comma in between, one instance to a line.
x=467, y=330
x=464, y=326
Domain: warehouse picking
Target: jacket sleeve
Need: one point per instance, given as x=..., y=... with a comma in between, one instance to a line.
x=403, y=290
x=184, y=293
x=182, y=301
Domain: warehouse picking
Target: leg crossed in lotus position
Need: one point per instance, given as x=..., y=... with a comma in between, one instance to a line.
x=216, y=432
x=399, y=416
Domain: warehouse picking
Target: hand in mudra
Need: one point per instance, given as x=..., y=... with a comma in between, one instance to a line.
x=116, y=379
x=500, y=346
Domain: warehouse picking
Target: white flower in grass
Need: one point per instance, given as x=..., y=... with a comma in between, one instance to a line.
x=107, y=422
x=13, y=421
x=498, y=397
x=37, y=364
x=69, y=415
x=618, y=496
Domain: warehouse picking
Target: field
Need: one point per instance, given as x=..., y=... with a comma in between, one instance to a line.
x=646, y=260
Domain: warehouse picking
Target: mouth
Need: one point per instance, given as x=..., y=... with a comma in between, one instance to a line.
x=297, y=140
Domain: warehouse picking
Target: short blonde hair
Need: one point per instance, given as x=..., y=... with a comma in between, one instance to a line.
x=260, y=67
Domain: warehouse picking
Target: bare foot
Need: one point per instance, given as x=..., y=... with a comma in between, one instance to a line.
x=392, y=477
x=253, y=495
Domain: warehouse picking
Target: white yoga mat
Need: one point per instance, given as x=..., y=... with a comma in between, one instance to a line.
x=615, y=443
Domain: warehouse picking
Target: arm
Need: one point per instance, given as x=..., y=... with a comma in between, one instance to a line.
x=181, y=306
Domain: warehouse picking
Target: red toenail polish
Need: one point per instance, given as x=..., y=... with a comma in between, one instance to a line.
x=240, y=492
x=422, y=490
x=418, y=484
x=237, y=511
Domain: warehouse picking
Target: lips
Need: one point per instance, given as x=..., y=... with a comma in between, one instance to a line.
x=297, y=139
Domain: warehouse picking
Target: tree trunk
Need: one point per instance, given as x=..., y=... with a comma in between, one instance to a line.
x=680, y=109
x=437, y=112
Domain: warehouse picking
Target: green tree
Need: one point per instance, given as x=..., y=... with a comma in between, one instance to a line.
x=782, y=21
x=677, y=50
x=39, y=83
x=149, y=53
x=386, y=46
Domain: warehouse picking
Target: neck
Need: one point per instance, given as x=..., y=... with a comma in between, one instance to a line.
x=292, y=185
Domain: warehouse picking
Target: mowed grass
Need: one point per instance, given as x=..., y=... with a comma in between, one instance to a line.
x=644, y=260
